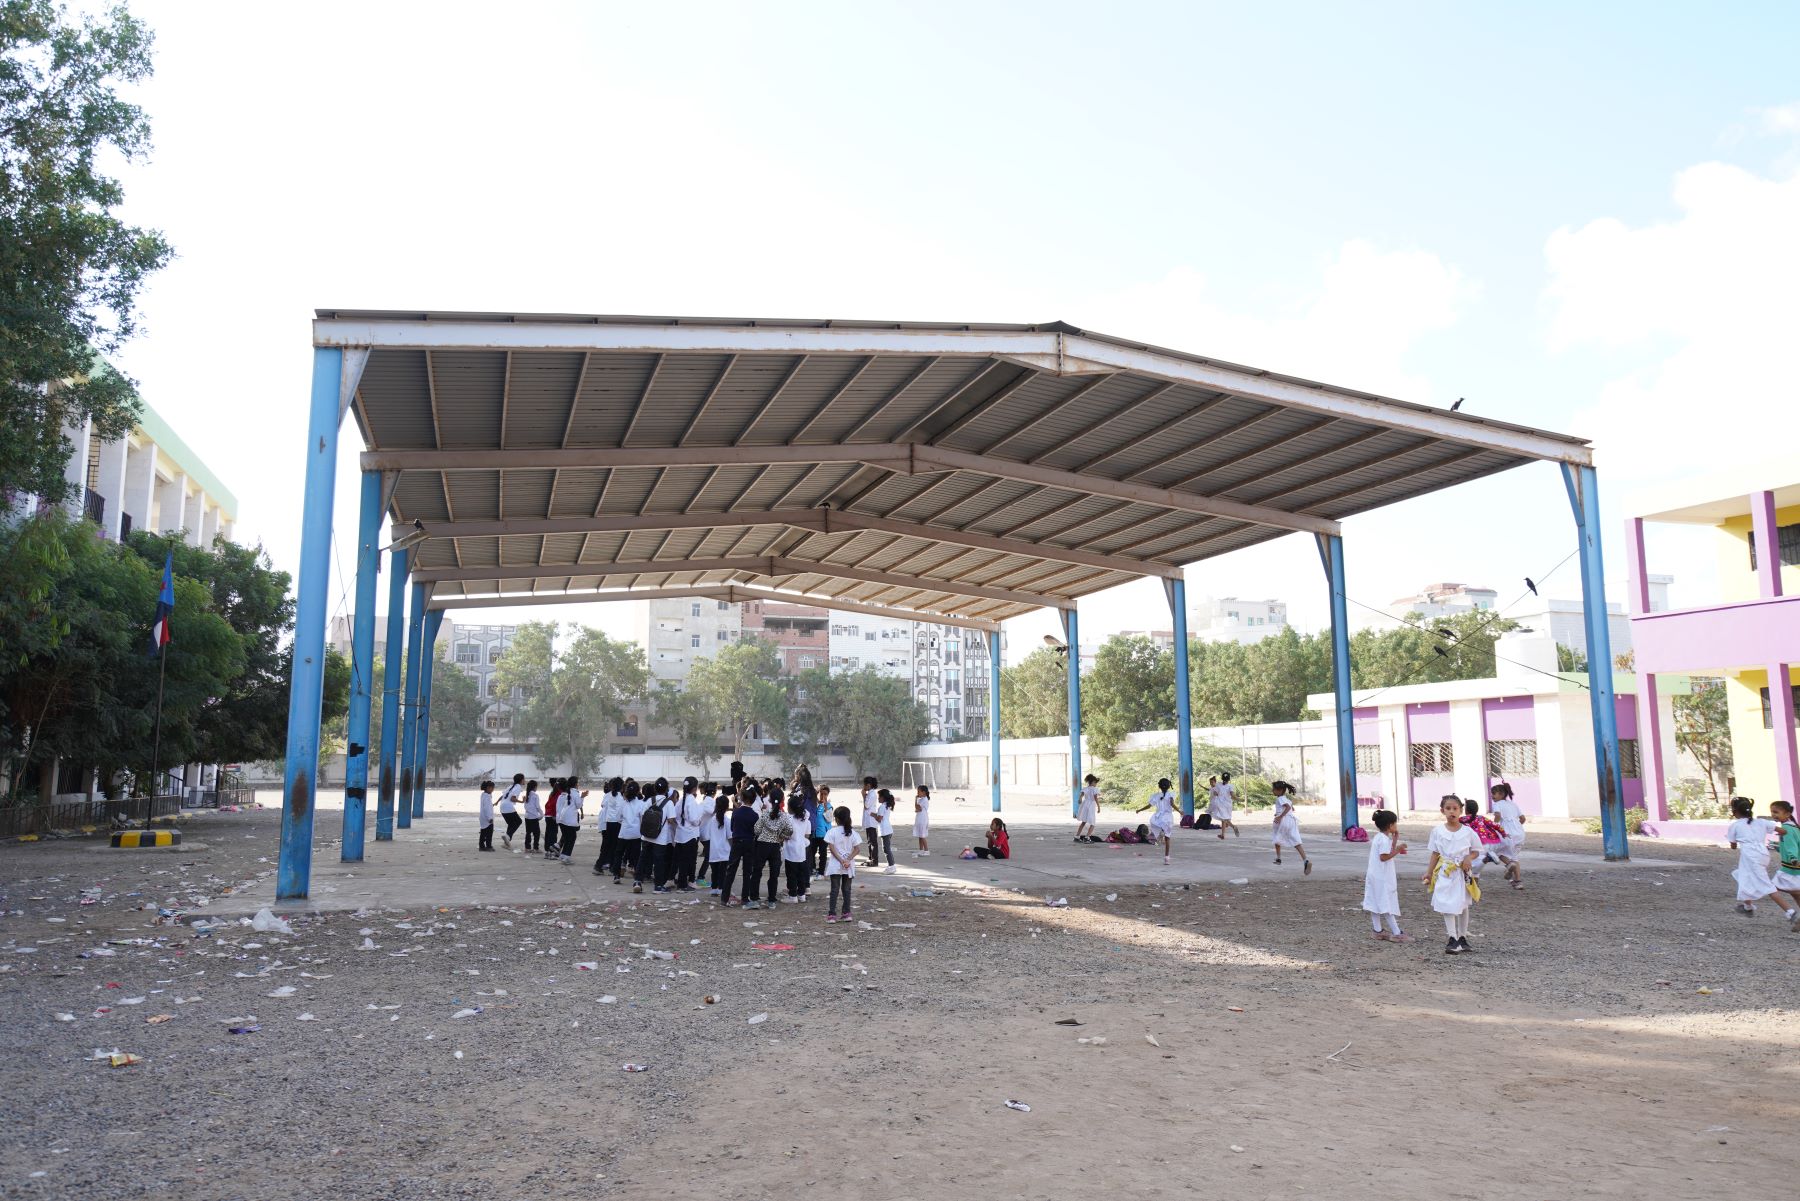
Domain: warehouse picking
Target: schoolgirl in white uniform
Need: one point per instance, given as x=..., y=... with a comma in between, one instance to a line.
x=840, y=862
x=509, y=812
x=1454, y=849
x=1749, y=837
x=715, y=833
x=794, y=852
x=922, y=821
x=568, y=817
x=1162, y=822
x=1219, y=800
x=1087, y=811
x=1381, y=886
x=631, y=817
x=1511, y=819
x=1287, y=825
x=871, y=819
x=612, y=812
x=534, y=821
x=885, y=811
x=685, y=817
x=485, y=817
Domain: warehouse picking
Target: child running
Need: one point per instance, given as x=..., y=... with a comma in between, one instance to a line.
x=534, y=822
x=840, y=870
x=1287, y=826
x=1087, y=811
x=568, y=817
x=922, y=821
x=1381, y=888
x=509, y=811
x=552, y=838
x=1749, y=837
x=486, y=817
x=1506, y=811
x=1220, y=797
x=1162, y=822
x=1787, y=875
x=1454, y=849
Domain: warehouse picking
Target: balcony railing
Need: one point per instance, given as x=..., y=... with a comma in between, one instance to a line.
x=93, y=507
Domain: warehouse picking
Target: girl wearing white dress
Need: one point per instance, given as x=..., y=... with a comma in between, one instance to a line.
x=1287, y=826
x=1749, y=837
x=1381, y=887
x=1219, y=798
x=1506, y=811
x=1162, y=822
x=871, y=819
x=1087, y=811
x=884, y=811
x=840, y=867
x=1454, y=849
x=922, y=820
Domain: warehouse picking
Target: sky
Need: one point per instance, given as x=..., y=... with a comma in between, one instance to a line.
x=1576, y=217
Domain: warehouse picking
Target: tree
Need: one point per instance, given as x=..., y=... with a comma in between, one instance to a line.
x=1034, y=697
x=1703, y=728
x=807, y=733
x=695, y=722
x=742, y=687
x=456, y=712
x=872, y=716
x=1459, y=647
x=573, y=698
x=1569, y=658
x=1131, y=687
x=72, y=268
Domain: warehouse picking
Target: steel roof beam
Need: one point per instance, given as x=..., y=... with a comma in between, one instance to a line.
x=874, y=454
x=736, y=593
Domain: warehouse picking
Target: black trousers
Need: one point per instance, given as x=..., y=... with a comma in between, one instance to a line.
x=684, y=863
x=873, y=835
x=609, y=845
x=568, y=839
x=768, y=859
x=513, y=822
x=653, y=863
x=743, y=856
x=987, y=853
x=816, y=855
x=625, y=855
x=487, y=837
x=534, y=833
x=799, y=875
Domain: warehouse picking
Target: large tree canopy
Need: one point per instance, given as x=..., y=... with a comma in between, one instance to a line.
x=70, y=269
x=572, y=698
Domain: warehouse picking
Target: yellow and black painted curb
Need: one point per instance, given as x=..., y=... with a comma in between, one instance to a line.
x=147, y=838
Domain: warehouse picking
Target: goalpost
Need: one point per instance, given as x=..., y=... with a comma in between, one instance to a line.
x=914, y=772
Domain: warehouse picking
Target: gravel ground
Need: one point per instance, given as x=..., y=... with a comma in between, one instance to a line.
x=1574, y=1055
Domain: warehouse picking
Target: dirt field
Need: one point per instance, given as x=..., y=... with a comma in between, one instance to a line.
x=1572, y=1056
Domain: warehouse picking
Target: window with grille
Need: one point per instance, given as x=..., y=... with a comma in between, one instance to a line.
x=1368, y=759
x=1787, y=545
x=1628, y=757
x=1512, y=758
x=1432, y=759
x=494, y=653
x=724, y=605
x=468, y=652
x=1769, y=711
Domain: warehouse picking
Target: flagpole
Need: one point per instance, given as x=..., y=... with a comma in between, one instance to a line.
x=162, y=670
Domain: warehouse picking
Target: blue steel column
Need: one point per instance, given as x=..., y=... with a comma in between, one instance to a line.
x=434, y=618
x=1184, y=729
x=393, y=662
x=1584, y=499
x=994, y=714
x=1331, y=550
x=409, y=707
x=362, y=666
x=293, y=874
x=1072, y=639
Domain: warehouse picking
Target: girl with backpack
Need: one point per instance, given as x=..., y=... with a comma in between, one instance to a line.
x=654, y=834
x=631, y=817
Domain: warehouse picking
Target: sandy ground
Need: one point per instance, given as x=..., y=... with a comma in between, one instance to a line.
x=1572, y=1056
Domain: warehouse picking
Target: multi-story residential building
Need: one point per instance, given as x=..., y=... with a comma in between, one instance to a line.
x=857, y=641
x=1233, y=619
x=1561, y=619
x=799, y=633
x=476, y=649
x=675, y=635
x=950, y=678
x=1444, y=600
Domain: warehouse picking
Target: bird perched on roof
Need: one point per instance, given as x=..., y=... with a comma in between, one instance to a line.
x=1457, y=405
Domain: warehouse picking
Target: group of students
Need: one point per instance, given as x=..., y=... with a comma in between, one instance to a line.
x=1459, y=847
x=1750, y=837
x=704, y=835
x=1221, y=797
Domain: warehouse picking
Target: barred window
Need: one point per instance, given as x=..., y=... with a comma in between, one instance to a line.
x=1432, y=759
x=1368, y=759
x=1512, y=758
x=468, y=652
x=1768, y=708
x=1628, y=757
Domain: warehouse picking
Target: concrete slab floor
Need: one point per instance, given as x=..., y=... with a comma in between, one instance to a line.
x=435, y=863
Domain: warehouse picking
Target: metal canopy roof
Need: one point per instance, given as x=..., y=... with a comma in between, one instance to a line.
x=970, y=472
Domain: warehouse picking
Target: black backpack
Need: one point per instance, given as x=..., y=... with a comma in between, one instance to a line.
x=651, y=824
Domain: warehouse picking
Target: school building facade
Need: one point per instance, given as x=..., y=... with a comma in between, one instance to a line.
x=1749, y=636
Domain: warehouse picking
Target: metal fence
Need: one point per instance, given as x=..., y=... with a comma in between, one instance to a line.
x=35, y=818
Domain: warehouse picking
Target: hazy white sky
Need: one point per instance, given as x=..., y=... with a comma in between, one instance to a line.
x=1582, y=220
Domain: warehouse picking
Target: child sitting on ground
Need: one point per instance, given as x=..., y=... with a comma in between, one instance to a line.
x=999, y=846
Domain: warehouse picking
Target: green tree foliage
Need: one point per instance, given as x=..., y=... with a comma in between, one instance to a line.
x=71, y=268
x=574, y=697
x=84, y=686
x=1703, y=728
x=1131, y=687
x=456, y=712
x=737, y=689
x=872, y=717
x=1034, y=699
x=1570, y=659
x=807, y=732
x=1128, y=778
x=695, y=722
x=1460, y=647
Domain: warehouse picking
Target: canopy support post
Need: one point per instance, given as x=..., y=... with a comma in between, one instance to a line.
x=1176, y=590
x=1331, y=553
x=1072, y=645
x=1584, y=499
x=409, y=706
x=362, y=664
x=393, y=662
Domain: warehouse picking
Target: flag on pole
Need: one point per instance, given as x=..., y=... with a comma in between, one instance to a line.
x=165, y=607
